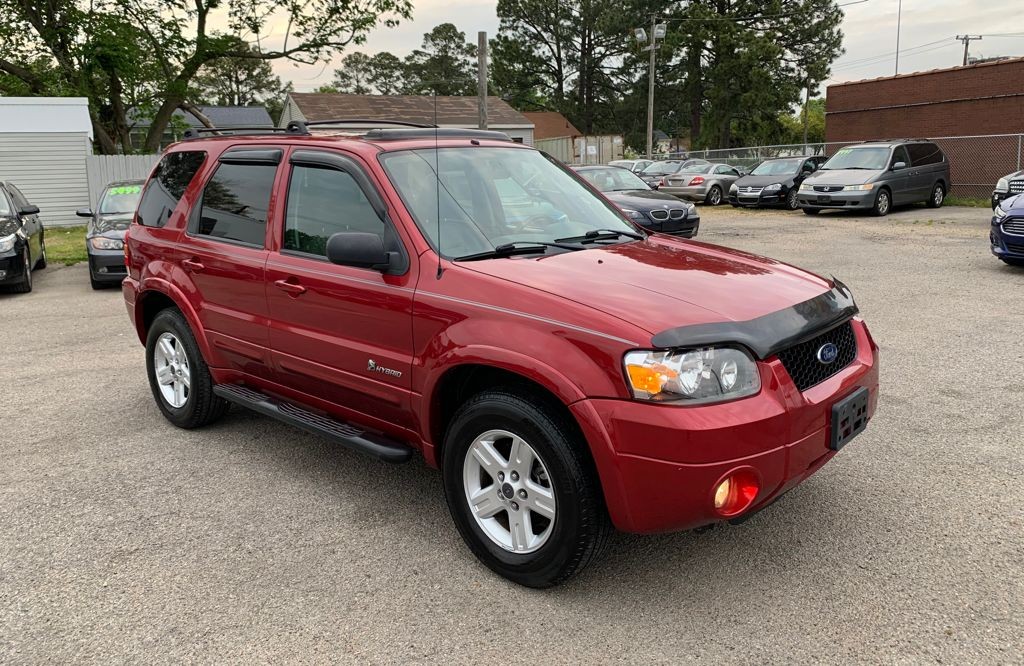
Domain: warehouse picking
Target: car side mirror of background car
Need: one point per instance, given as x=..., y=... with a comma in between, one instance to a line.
x=358, y=249
x=29, y=210
x=84, y=212
x=899, y=165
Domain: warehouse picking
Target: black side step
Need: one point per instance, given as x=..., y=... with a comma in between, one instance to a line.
x=346, y=434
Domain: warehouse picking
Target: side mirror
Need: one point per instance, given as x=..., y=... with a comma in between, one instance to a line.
x=29, y=210
x=899, y=165
x=358, y=249
x=84, y=212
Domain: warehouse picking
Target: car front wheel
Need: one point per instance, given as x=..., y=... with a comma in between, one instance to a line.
x=522, y=490
x=792, y=200
x=883, y=202
x=25, y=286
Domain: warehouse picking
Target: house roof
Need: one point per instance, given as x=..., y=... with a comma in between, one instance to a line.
x=550, y=124
x=45, y=114
x=220, y=116
x=908, y=75
x=460, y=111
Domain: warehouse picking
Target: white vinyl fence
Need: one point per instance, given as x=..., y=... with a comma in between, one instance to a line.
x=103, y=169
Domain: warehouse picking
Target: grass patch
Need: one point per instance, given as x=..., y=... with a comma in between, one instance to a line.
x=970, y=202
x=65, y=245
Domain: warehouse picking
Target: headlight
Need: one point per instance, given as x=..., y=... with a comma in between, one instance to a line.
x=1002, y=185
x=734, y=188
x=806, y=187
x=633, y=214
x=102, y=243
x=774, y=187
x=697, y=376
x=999, y=213
x=7, y=242
x=860, y=188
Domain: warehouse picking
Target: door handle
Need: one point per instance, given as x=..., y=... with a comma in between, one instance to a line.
x=293, y=288
x=192, y=265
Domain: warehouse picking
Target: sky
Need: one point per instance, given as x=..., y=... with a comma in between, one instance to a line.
x=927, y=35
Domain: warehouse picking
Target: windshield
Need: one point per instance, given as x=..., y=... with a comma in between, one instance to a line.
x=613, y=180
x=494, y=196
x=661, y=168
x=777, y=167
x=120, y=199
x=876, y=159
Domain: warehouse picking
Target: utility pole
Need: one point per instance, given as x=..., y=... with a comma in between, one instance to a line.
x=967, y=39
x=807, y=104
x=899, y=21
x=481, y=76
x=657, y=32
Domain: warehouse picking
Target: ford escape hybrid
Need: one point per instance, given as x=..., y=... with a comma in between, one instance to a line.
x=453, y=293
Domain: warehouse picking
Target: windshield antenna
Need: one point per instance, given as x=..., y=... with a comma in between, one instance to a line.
x=437, y=188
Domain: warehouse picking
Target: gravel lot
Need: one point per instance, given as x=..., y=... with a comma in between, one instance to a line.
x=126, y=540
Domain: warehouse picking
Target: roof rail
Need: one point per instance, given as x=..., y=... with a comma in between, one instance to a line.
x=439, y=132
x=305, y=124
x=198, y=132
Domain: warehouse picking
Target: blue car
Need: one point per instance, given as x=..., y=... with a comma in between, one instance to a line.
x=1007, y=233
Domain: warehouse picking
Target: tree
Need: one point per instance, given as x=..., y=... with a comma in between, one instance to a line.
x=114, y=50
x=353, y=75
x=237, y=81
x=445, y=64
x=386, y=73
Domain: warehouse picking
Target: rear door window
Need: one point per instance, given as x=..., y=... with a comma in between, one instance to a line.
x=922, y=154
x=166, y=187
x=235, y=203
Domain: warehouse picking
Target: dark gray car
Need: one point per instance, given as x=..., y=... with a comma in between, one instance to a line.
x=104, y=237
x=877, y=176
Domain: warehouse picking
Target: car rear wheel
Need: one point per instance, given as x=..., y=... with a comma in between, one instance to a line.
x=714, y=195
x=25, y=286
x=178, y=375
x=792, y=200
x=41, y=264
x=937, y=197
x=522, y=490
x=883, y=202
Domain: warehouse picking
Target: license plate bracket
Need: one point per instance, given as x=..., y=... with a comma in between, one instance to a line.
x=824, y=199
x=849, y=418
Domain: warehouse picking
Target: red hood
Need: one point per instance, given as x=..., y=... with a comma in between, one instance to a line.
x=664, y=283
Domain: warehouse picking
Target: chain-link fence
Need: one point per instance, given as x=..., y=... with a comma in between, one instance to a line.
x=975, y=162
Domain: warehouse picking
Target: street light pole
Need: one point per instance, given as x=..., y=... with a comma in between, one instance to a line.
x=650, y=92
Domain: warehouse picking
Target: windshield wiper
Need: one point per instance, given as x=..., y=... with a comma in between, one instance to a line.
x=515, y=248
x=601, y=234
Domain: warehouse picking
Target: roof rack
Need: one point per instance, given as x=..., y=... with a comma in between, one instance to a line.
x=302, y=125
x=404, y=130
x=438, y=132
x=198, y=132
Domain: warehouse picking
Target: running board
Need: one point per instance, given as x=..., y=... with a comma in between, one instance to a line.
x=346, y=434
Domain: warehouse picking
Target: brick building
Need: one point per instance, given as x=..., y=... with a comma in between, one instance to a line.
x=982, y=99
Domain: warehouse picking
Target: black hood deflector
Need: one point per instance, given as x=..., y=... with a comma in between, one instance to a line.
x=772, y=333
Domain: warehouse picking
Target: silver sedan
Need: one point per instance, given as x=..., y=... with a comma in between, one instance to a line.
x=708, y=183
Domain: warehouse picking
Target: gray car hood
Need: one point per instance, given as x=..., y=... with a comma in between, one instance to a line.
x=842, y=177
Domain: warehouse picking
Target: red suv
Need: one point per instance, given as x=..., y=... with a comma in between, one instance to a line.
x=457, y=294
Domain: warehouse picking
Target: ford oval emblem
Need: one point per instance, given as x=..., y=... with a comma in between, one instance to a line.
x=827, y=353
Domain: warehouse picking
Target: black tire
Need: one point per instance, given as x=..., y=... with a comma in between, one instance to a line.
x=581, y=527
x=25, y=286
x=937, y=197
x=811, y=211
x=883, y=203
x=714, y=196
x=793, y=199
x=201, y=406
x=41, y=264
x=1012, y=262
x=95, y=284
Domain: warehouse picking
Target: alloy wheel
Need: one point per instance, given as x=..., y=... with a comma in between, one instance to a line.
x=938, y=195
x=170, y=364
x=883, y=202
x=509, y=491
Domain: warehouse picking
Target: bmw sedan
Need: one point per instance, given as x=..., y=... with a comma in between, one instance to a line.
x=104, y=237
x=652, y=210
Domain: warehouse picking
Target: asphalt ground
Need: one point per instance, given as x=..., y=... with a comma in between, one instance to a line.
x=123, y=539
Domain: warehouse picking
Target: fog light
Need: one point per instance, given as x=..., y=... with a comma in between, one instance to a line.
x=736, y=492
x=103, y=269
x=3, y=274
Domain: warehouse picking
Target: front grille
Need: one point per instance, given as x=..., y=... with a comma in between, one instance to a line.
x=801, y=360
x=750, y=190
x=1014, y=248
x=677, y=213
x=1017, y=185
x=828, y=188
x=1014, y=226
x=659, y=215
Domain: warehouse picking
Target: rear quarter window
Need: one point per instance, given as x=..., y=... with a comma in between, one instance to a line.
x=922, y=154
x=165, y=189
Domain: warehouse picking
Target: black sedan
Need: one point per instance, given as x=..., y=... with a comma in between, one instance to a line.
x=22, y=246
x=104, y=238
x=651, y=210
x=774, y=182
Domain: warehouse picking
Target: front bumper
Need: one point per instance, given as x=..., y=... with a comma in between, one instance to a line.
x=659, y=464
x=12, y=266
x=107, y=265
x=1005, y=245
x=840, y=199
x=774, y=198
x=694, y=193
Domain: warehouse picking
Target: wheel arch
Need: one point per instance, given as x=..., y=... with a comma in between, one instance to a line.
x=158, y=295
